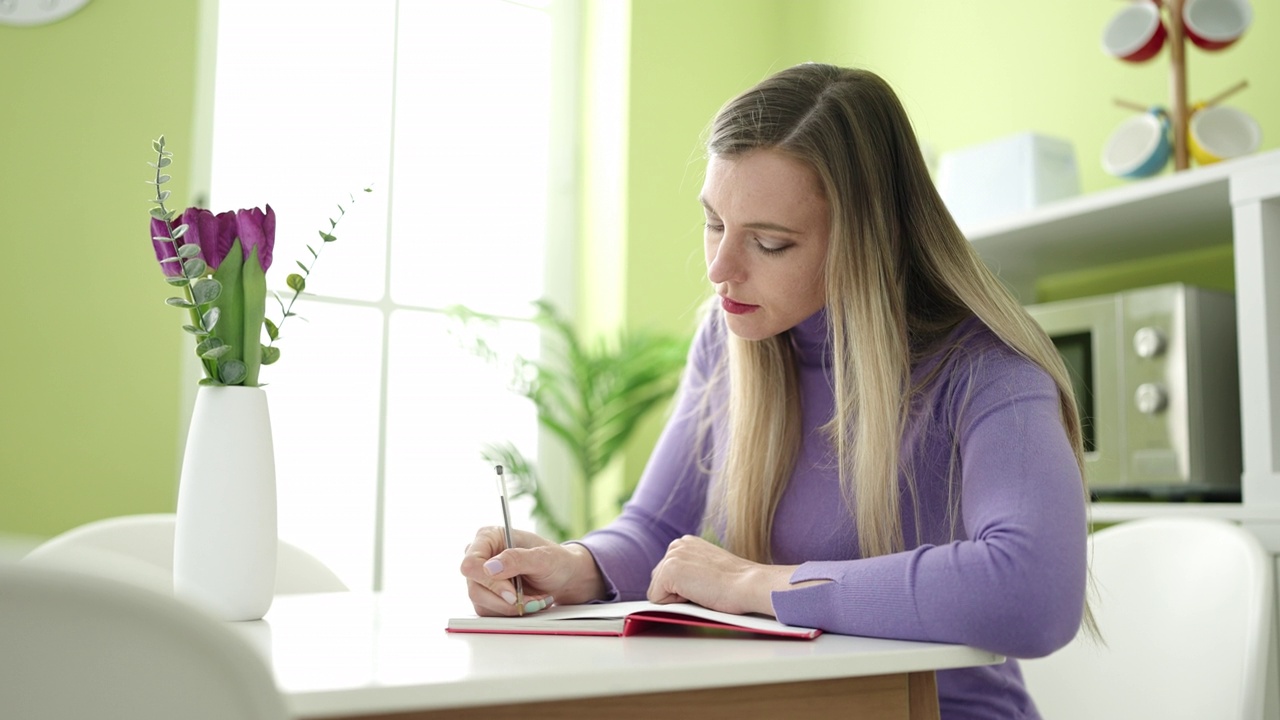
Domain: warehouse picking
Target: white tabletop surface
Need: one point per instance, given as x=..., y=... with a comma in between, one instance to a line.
x=358, y=653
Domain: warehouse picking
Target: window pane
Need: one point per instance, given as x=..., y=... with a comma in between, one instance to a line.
x=472, y=119
x=324, y=398
x=444, y=404
x=302, y=121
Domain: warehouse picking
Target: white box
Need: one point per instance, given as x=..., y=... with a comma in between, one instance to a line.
x=1011, y=175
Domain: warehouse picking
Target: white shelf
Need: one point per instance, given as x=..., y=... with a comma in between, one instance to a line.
x=1182, y=211
x=1114, y=512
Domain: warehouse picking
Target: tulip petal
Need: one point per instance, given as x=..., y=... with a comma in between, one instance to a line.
x=226, y=236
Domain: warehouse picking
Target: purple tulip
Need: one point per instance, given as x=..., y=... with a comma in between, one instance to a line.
x=202, y=231
x=257, y=230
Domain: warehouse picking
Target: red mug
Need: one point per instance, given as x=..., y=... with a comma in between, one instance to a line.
x=1215, y=24
x=1135, y=33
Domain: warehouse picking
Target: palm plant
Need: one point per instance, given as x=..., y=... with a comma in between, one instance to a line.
x=590, y=397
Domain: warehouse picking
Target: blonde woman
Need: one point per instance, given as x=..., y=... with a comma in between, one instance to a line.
x=877, y=436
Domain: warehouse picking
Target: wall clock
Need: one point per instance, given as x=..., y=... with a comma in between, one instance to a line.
x=37, y=12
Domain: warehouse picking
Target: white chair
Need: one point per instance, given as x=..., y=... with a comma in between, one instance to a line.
x=140, y=547
x=78, y=646
x=1185, y=607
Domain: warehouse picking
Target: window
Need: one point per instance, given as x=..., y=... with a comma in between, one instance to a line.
x=444, y=107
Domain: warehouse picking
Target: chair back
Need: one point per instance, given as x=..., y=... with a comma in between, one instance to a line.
x=1185, y=609
x=81, y=646
x=141, y=546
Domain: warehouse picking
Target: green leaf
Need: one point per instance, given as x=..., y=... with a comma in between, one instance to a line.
x=231, y=372
x=163, y=179
x=161, y=238
x=158, y=145
x=179, y=302
x=305, y=270
x=179, y=231
x=171, y=260
x=313, y=252
x=177, y=281
x=164, y=162
x=327, y=237
x=332, y=223
x=212, y=348
x=253, y=289
x=160, y=213
x=195, y=330
x=164, y=195
x=206, y=291
x=195, y=268
x=210, y=319
x=209, y=382
x=189, y=250
x=270, y=354
x=368, y=189
x=296, y=282
x=215, y=353
x=273, y=330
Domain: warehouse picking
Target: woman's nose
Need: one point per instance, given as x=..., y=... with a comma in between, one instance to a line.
x=724, y=262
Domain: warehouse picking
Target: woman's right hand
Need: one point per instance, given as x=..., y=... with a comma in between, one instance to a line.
x=550, y=573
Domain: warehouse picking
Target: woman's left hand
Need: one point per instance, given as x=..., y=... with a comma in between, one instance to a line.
x=695, y=570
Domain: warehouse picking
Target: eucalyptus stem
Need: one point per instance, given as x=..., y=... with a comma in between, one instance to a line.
x=298, y=283
x=162, y=213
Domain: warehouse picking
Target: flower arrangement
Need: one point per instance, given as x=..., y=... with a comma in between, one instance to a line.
x=221, y=262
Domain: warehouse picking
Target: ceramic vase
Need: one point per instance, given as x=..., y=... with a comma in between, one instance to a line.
x=224, y=551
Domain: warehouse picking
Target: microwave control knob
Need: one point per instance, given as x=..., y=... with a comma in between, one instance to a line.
x=1150, y=398
x=1148, y=342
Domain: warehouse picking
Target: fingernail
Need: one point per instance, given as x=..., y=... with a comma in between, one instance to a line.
x=534, y=605
x=493, y=567
x=509, y=596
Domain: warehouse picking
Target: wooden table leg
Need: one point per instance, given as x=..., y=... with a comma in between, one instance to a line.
x=922, y=687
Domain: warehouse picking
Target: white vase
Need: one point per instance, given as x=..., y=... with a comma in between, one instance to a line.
x=224, y=549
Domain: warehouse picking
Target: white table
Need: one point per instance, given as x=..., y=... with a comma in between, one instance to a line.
x=354, y=655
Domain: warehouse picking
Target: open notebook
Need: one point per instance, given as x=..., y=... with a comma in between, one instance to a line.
x=624, y=618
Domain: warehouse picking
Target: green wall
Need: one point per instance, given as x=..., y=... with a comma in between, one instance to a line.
x=967, y=72
x=89, y=359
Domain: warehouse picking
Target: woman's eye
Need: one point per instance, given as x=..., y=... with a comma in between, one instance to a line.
x=771, y=248
x=715, y=227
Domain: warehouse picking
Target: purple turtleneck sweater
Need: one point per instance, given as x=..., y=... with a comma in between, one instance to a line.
x=1003, y=571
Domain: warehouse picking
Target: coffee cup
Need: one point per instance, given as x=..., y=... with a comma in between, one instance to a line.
x=1135, y=33
x=1140, y=146
x=1215, y=24
x=1221, y=133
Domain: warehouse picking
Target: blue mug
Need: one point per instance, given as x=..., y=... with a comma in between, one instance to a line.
x=1140, y=147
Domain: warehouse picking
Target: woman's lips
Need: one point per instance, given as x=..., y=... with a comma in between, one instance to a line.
x=737, y=308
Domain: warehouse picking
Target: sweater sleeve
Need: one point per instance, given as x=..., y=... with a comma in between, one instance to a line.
x=1015, y=583
x=670, y=498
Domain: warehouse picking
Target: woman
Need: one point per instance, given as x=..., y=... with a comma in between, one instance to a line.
x=879, y=438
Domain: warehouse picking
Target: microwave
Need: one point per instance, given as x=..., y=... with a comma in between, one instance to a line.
x=1155, y=376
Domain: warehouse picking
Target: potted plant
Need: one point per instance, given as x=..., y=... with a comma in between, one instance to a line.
x=591, y=397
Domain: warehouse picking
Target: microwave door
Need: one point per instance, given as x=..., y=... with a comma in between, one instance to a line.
x=1084, y=332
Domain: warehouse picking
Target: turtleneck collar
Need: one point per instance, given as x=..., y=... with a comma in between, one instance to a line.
x=809, y=339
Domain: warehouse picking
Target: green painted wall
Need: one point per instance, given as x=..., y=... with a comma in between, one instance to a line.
x=968, y=72
x=89, y=358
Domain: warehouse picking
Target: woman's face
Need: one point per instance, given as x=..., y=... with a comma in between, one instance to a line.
x=767, y=232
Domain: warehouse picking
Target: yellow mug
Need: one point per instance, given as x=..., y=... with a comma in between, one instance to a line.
x=1218, y=133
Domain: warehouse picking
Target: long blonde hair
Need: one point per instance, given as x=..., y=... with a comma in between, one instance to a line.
x=898, y=270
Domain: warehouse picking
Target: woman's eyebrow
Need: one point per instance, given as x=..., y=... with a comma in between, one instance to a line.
x=759, y=225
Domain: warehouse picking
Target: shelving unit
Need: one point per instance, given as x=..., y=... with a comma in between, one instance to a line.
x=1236, y=202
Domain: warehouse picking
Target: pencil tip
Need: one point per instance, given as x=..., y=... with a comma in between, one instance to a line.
x=498, y=468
